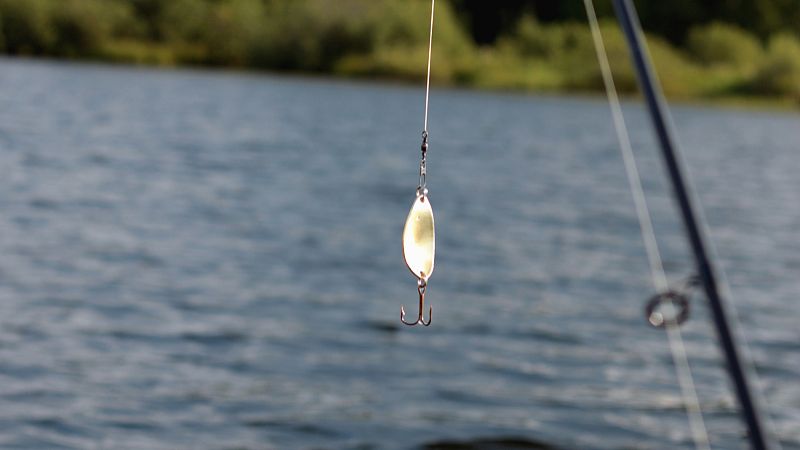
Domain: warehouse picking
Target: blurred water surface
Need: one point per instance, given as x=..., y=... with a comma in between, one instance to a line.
x=212, y=260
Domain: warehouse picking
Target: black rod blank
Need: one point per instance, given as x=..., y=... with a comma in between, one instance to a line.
x=626, y=15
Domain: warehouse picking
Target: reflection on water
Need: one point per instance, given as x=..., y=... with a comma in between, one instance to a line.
x=212, y=260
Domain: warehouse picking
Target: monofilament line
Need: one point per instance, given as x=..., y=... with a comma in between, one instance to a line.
x=677, y=348
x=428, y=81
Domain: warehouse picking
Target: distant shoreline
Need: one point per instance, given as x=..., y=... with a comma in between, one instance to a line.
x=748, y=103
x=707, y=60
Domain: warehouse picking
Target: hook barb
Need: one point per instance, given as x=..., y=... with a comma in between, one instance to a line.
x=420, y=319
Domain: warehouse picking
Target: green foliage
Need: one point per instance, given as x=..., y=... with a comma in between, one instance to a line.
x=579, y=63
x=2, y=37
x=339, y=30
x=81, y=26
x=60, y=27
x=183, y=21
x=232, y=28
x=533, y=39
x=568, y=50
x=148, y=13
x=26, y=26
x=672, y=19
x=394, y=36
x=679, y=77
x=780, y=74
x=719, y=43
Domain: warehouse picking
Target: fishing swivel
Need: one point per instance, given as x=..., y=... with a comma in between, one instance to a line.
x=423, y=169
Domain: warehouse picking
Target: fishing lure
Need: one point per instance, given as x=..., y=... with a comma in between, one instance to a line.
x=419, y=235
x=419, y=240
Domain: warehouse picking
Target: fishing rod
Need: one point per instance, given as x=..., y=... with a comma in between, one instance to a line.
x=696, y=233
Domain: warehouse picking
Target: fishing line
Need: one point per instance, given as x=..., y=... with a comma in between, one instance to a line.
x=658, y=275
x=428, y=81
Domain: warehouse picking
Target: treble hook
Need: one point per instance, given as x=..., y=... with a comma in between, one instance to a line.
x=422, y=285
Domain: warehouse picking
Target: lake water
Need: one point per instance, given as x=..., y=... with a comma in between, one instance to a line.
x=212, y=260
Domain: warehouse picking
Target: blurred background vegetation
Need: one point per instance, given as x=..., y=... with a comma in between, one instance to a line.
x=702, y=49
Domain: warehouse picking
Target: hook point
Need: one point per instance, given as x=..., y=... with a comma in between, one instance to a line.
x=430, y=317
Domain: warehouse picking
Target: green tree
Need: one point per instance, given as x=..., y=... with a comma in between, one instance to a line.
x=780, y=74
x=26, y=26
x=719, y=43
